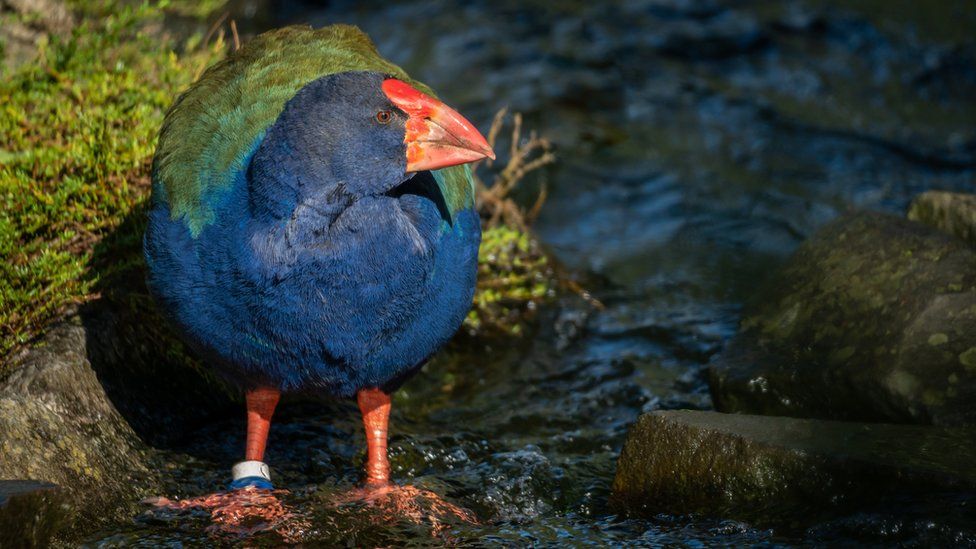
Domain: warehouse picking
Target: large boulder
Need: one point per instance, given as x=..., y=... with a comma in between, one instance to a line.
x=873, y=319
x=790, y=472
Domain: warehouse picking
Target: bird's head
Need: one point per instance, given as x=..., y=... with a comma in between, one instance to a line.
x=367, y=131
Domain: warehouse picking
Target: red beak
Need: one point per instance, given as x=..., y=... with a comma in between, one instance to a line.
x=437, y=136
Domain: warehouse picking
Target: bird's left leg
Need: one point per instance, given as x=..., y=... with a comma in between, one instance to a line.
x=375, y=407
x=396, y=502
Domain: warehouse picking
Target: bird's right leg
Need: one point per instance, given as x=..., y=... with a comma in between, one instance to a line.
x=253, y=471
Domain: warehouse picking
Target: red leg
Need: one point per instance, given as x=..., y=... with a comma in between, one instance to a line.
x=395, y=502
x=261, y=404
x=250, y=508
x=375, y=407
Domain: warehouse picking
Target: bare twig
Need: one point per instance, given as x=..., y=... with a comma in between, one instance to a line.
x=233, y=30
x=496, y=126
x=523, y=157
x=213, y=28
x=537, y=207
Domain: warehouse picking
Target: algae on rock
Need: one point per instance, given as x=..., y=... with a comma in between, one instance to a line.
x=513, y=277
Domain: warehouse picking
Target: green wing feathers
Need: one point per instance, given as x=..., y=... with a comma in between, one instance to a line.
x=211, y=130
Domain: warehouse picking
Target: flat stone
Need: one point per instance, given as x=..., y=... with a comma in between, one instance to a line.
x=951, y=213
x=776, y=470
x=31, y=513
x=872, y=319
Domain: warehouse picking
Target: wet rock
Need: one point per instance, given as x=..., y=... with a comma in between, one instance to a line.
x=31, y=513
x=58, y=425
x=874, y=319
x=785, y=471
x=89, y=406
x=952, y=213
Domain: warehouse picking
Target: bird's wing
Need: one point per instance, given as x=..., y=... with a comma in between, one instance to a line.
x=212, y=129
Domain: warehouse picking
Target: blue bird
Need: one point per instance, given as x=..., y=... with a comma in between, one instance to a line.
x=312, y=227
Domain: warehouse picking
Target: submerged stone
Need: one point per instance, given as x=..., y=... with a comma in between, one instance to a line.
x=872, y=319
x=952, y=213
x=787, y=471
x=31, y=512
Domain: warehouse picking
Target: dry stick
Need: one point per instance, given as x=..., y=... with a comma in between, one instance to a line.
x=496, y=126
x=495, y=202
x=213, y=28
x=516, y=134
x=537, y=207
x=204, y=63
x=237, y=39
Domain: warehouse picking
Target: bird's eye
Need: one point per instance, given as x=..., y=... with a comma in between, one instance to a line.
x=384, y=117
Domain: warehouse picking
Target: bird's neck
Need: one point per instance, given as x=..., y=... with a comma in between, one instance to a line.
x=286, y=177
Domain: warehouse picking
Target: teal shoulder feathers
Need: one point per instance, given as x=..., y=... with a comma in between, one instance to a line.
x=211, y=130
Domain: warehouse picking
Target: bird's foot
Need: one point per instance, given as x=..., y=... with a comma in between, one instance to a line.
x=240, y=513
x=396, y=503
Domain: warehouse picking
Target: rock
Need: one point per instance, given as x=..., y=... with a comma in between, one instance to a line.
x=786, y=471
x=952, y=213
x=58, y=425
x=31, y=513
x=873, y=319
x=24, y=24
x=50, y=15
x=90, y=405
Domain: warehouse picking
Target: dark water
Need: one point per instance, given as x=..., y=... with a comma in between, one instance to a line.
x=699, y=143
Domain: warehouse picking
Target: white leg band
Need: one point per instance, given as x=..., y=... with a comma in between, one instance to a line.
x=246, y=469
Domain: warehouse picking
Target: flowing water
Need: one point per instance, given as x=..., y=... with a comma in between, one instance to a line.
x=699, y=143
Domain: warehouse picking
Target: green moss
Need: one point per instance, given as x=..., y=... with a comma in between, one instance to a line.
x=77, y=133
x=514, y=275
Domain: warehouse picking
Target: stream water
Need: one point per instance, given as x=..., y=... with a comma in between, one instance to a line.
x=699, y=143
